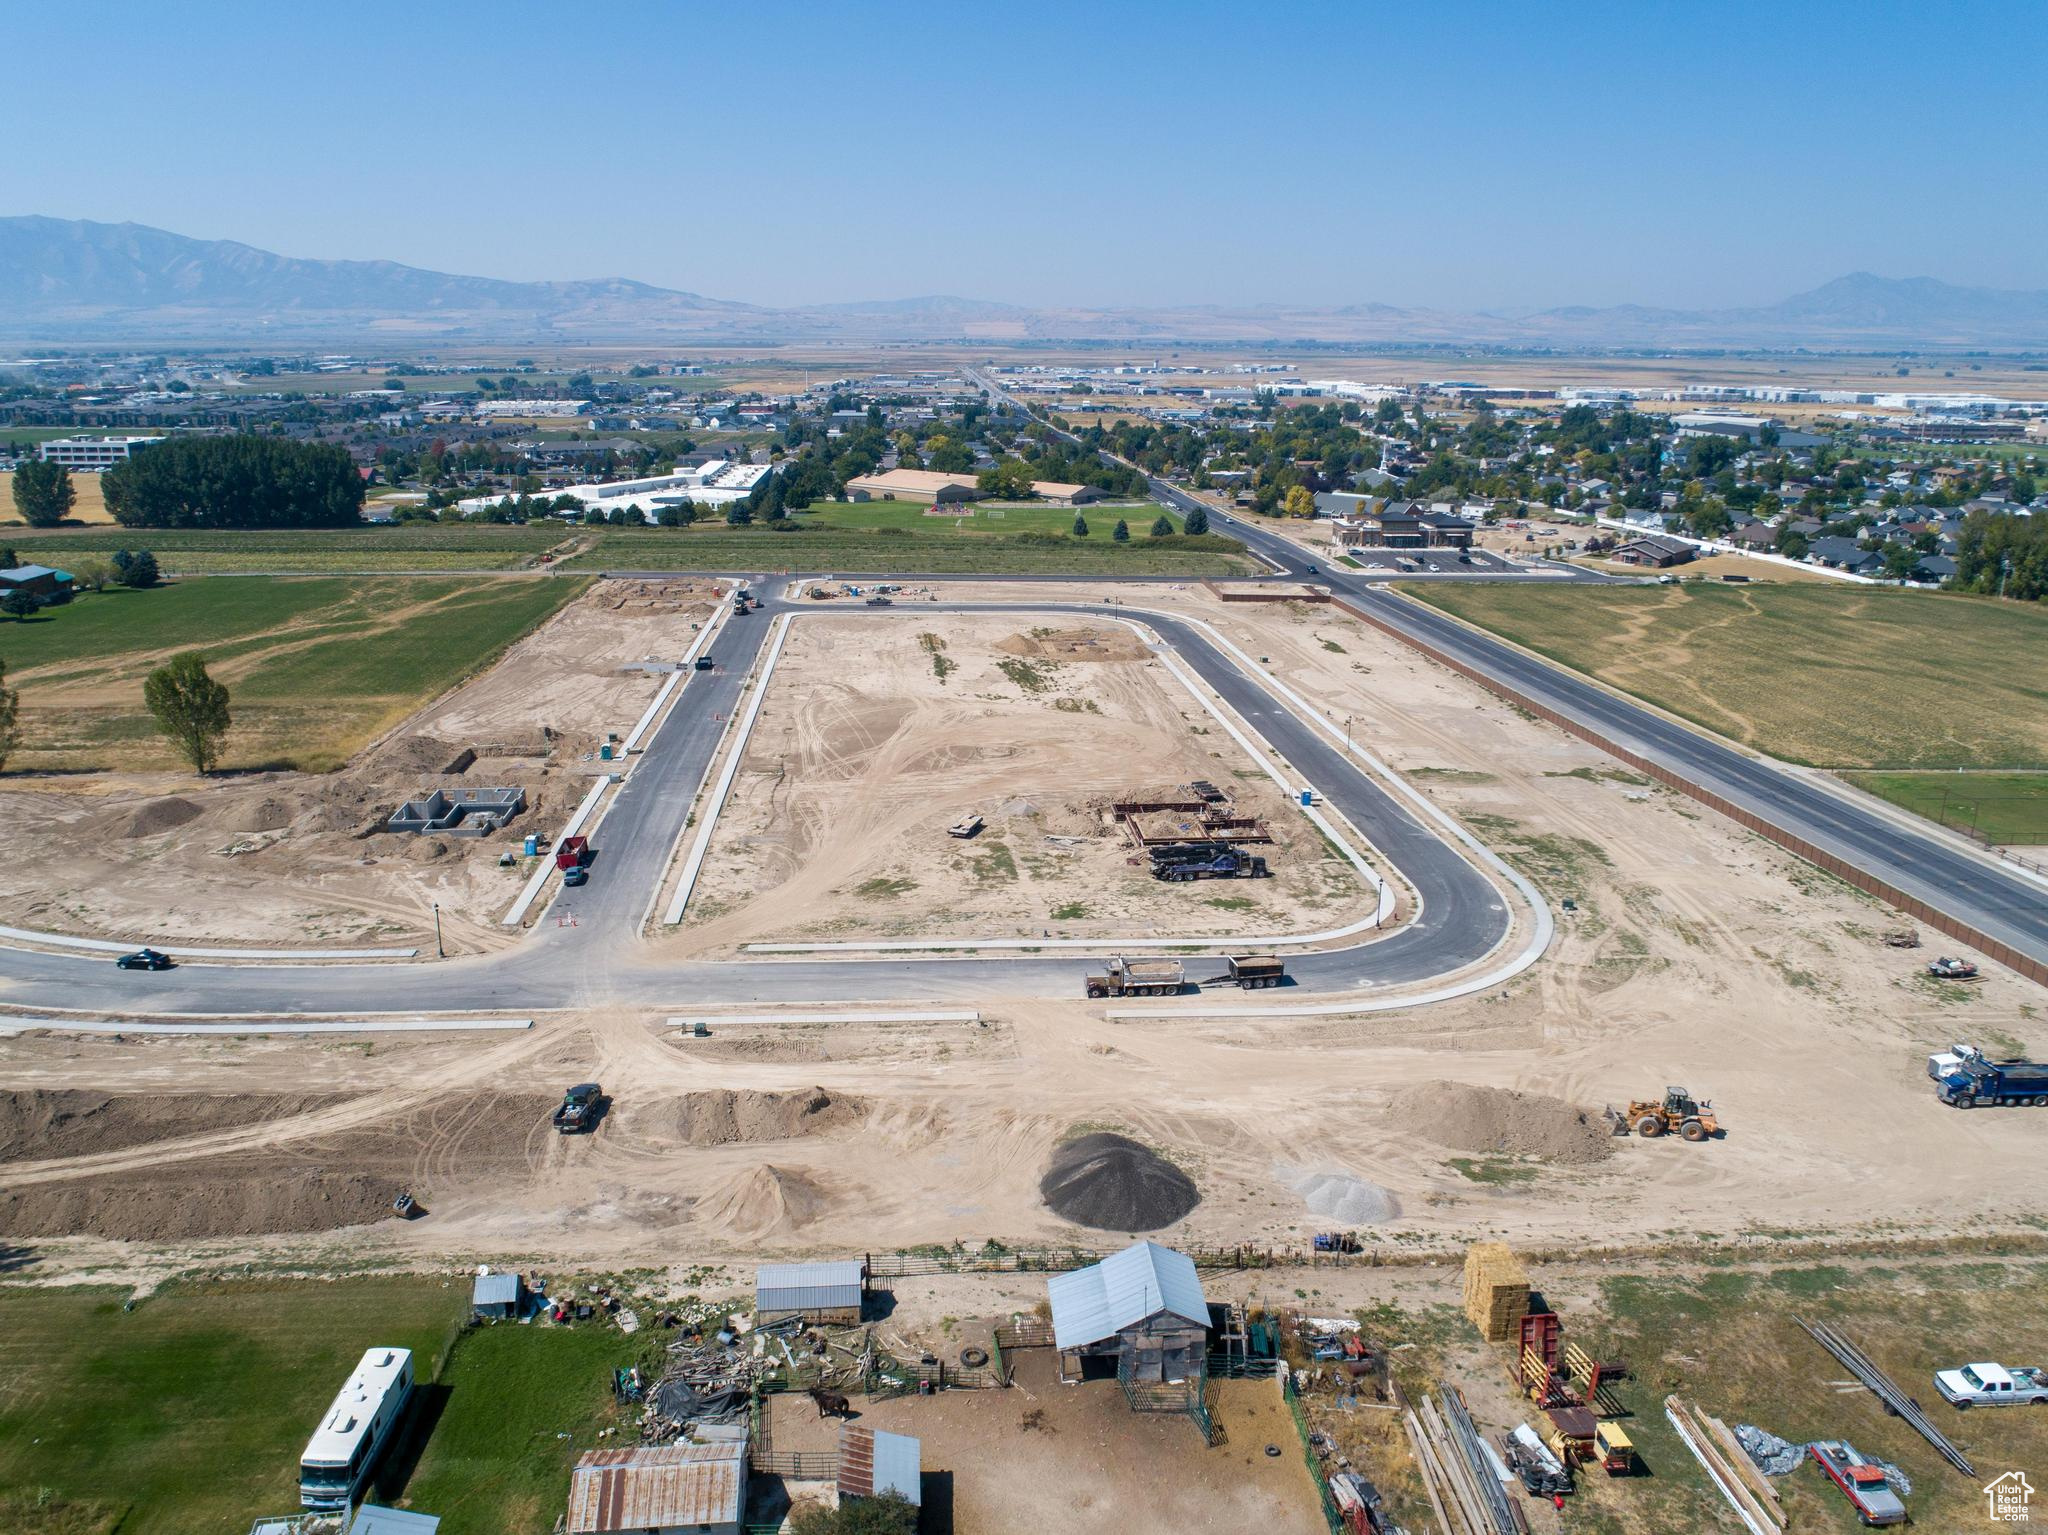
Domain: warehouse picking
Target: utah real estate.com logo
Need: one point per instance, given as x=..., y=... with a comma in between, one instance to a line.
x=2007, y=1497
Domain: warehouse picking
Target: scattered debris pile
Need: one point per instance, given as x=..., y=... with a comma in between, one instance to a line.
x=1112, y=1183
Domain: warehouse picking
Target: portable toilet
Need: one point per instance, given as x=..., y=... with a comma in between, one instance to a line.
x=1308, y=796
x=604, y=752
x=533, y=844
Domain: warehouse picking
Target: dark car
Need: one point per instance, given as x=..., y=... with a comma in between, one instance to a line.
x=144, y=959
x=1312, y=570
x=703, y=663
x=576, y=876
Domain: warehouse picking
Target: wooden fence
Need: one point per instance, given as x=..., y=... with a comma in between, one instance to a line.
x=1849, y=873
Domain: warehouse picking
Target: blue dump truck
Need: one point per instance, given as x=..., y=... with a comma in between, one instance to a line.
x=1178, y=861
x=1965, y=1077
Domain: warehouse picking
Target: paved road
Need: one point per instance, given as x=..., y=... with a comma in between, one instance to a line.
x=602, y=960
x=1995, y=900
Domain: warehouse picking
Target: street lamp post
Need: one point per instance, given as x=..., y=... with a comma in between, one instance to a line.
x=439, y=952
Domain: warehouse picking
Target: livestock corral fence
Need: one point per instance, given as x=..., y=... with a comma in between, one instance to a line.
x=1059, y=1260
x=1848, y=873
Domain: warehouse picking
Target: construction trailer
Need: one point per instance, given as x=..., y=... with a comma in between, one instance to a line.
x=1123, y=977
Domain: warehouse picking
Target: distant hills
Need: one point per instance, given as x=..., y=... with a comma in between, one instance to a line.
x=73, y=280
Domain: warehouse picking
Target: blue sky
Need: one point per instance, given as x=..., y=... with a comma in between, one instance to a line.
x=1458, y=156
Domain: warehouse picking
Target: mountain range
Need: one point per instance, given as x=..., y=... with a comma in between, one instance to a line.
x=74, y=280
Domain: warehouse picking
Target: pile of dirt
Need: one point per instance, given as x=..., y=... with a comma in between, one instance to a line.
x=38, y=1123
x=1075, y=645
x=172, y=1204
x=725, y=1116
x=1502, y=1120
x=764, y=1200
x=266, y=814
x=418, y=753
x=155, y=816
x=1112, y=1183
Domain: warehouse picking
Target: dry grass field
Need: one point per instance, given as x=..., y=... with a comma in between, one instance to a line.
x=1825, y=675
x=88, y=505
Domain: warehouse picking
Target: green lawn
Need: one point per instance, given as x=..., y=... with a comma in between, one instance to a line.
x=495, y=1462
x=398, y=547
x=1827, y=675
x=189, y=1412
x=2010, y=809
x=316, y=665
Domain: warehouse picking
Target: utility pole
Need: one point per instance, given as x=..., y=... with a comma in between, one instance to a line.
x=439, y=952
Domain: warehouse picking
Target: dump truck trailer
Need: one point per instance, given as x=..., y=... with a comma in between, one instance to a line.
x=1180, y=861
x=1120, y=977
x=2002, y=1084
x=1250, y=972
x=572, y=853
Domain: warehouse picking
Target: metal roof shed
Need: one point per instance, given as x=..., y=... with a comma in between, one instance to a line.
x=822, y=1291
x=1122, y=1290
x=872, y=1463
x=659, y=1489
x=372, y=1520
x=495, y=1295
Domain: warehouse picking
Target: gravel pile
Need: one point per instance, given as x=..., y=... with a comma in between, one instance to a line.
x=1343, y=1199
x=1112, y=1183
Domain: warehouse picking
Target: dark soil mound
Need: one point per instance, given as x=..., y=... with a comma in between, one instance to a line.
x=1114, y=1184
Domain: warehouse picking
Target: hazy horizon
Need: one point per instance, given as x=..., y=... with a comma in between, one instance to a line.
x=1502, y=159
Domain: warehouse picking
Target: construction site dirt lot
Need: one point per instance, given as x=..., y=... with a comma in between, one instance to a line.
x=1044, y=1456
x=1696, y=954
x=299, y=859
x=880, y=733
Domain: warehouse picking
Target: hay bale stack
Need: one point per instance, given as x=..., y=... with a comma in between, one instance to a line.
x=1496, y=1290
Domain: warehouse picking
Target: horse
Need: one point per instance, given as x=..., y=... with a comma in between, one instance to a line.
x=831, y=1403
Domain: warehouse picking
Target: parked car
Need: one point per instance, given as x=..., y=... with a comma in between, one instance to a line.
x=576, y=875
x=1992, y=1385
x=704, y=663
x=145, y=959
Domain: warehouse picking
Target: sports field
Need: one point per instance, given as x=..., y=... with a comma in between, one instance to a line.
x=2008, y=809
x=316, y=665
x=1831, y=676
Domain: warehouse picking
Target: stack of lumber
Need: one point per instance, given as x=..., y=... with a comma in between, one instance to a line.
x=1496, y=1290
x=1734, y=1475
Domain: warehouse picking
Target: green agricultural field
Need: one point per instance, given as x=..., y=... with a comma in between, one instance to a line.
x=316, y=665
x=906, y=550
x=1832, y=676
x=398, y=547
x=189, y=1412
x=2009, y=809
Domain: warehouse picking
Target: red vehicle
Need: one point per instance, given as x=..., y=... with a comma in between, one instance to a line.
x=572, y=853
x=1861, y=1483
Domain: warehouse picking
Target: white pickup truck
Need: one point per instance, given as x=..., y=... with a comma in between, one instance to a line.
x=1992, y=1385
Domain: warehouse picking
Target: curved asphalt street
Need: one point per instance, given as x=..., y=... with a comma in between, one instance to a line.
x=601, y=959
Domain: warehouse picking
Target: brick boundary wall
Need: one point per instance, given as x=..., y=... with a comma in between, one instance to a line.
x=1940, y=921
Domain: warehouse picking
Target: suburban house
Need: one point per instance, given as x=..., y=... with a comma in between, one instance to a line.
x=667, y=1489
x=1843, y=554
x=42, y=582
x=1754, y=535
x=913, y=485
x=1653, y=550
x=1141, y=1308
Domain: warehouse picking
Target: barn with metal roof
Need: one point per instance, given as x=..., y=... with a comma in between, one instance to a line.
x=667, y=1489
x=1142, y=1307
x=872, y=1463
x=817, y=1292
